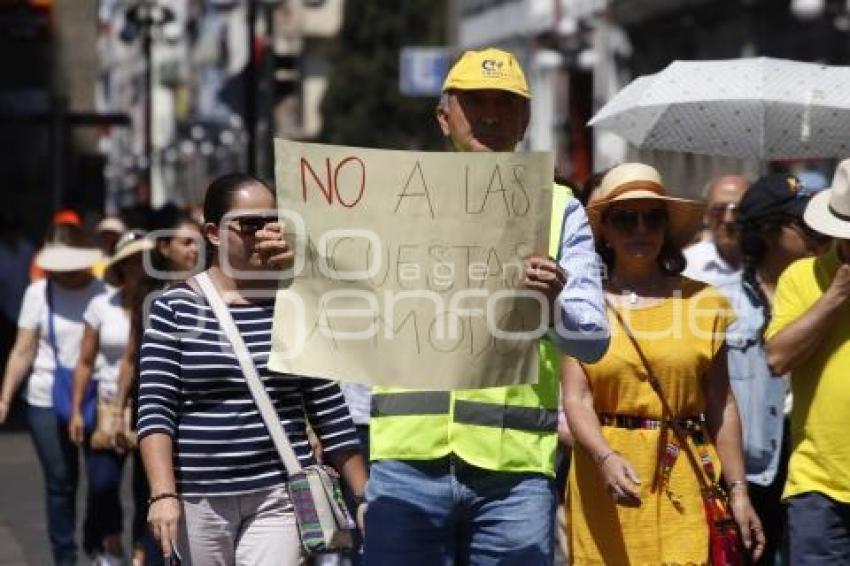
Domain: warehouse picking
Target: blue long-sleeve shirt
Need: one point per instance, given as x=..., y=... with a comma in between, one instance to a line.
x=582, y=331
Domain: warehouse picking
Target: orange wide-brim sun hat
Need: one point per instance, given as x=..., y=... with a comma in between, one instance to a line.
x=638, y=181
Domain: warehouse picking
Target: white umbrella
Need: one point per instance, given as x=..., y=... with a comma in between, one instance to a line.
x=757, y=108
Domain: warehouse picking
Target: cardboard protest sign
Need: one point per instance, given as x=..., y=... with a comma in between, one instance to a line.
x=409, y=265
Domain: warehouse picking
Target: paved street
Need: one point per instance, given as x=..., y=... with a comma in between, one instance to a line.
x=23, y=538
x=22, y=523
x=23, y=530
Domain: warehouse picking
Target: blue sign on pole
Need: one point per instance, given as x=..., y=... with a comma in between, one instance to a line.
x=422, y=70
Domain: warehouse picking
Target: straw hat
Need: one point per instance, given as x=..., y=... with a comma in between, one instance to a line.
x=637, y=181
x=133, y=242
x=829, y=211
x=59, y=258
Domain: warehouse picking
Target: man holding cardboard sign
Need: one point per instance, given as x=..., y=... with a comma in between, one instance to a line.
x=466, y=476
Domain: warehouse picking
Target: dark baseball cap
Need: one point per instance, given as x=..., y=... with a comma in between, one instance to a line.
x=777, y=194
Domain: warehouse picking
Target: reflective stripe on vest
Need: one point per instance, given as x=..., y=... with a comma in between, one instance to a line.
x=412, y=403
x=517, y=418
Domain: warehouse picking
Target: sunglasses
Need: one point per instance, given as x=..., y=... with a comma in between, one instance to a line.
x=250, y=224
x=628, y=220
x=718, y=210
x=808, y=232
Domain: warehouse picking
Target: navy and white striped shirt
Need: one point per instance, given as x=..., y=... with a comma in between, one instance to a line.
x=192, y=389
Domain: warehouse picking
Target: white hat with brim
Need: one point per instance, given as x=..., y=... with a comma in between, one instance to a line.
x=61, y=258
x=638, y=181
x=110, y=224
x=829, y=211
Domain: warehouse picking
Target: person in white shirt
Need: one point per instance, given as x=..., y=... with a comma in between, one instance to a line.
x=105, y=338
x=50, y=329
x=717, y=257
x=178, y=255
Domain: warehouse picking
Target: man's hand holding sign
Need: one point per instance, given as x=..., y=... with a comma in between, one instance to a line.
x=544, y=275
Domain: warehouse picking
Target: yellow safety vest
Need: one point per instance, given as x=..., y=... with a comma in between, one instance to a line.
x=511, y=429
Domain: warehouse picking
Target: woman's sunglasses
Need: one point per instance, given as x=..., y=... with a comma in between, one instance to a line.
x=628, y=220
x=250, y=224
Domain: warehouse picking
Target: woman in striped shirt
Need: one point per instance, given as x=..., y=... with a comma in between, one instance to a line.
x=217, y=483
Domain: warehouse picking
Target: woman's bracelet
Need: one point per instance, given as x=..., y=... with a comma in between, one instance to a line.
x=736, y=483
x=600, y=461
x=166, y=495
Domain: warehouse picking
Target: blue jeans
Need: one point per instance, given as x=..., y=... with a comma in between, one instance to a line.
x=818, y=530
x=60, y=464
x=448, y=512
x=103, y=506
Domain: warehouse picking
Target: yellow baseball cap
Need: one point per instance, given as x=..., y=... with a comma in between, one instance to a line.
x=487, y=69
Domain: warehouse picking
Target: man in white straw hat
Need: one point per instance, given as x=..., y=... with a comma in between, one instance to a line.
x=809, y=337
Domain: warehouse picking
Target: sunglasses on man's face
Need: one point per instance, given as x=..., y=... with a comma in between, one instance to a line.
x=628, y=220
x=250, y=224
x=718, y=210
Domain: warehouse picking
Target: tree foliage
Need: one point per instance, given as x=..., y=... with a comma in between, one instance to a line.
x=363, y=105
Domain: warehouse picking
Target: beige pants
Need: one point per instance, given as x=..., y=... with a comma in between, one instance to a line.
x=256, y=529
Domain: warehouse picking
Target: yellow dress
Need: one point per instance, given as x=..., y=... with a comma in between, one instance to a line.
x=680, y=336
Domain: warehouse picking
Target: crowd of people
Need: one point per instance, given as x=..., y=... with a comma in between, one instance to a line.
x=73, y=333
x=696, y=392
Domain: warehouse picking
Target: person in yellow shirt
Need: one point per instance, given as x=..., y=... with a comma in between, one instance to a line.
x=634, y=487
x=809, y=337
